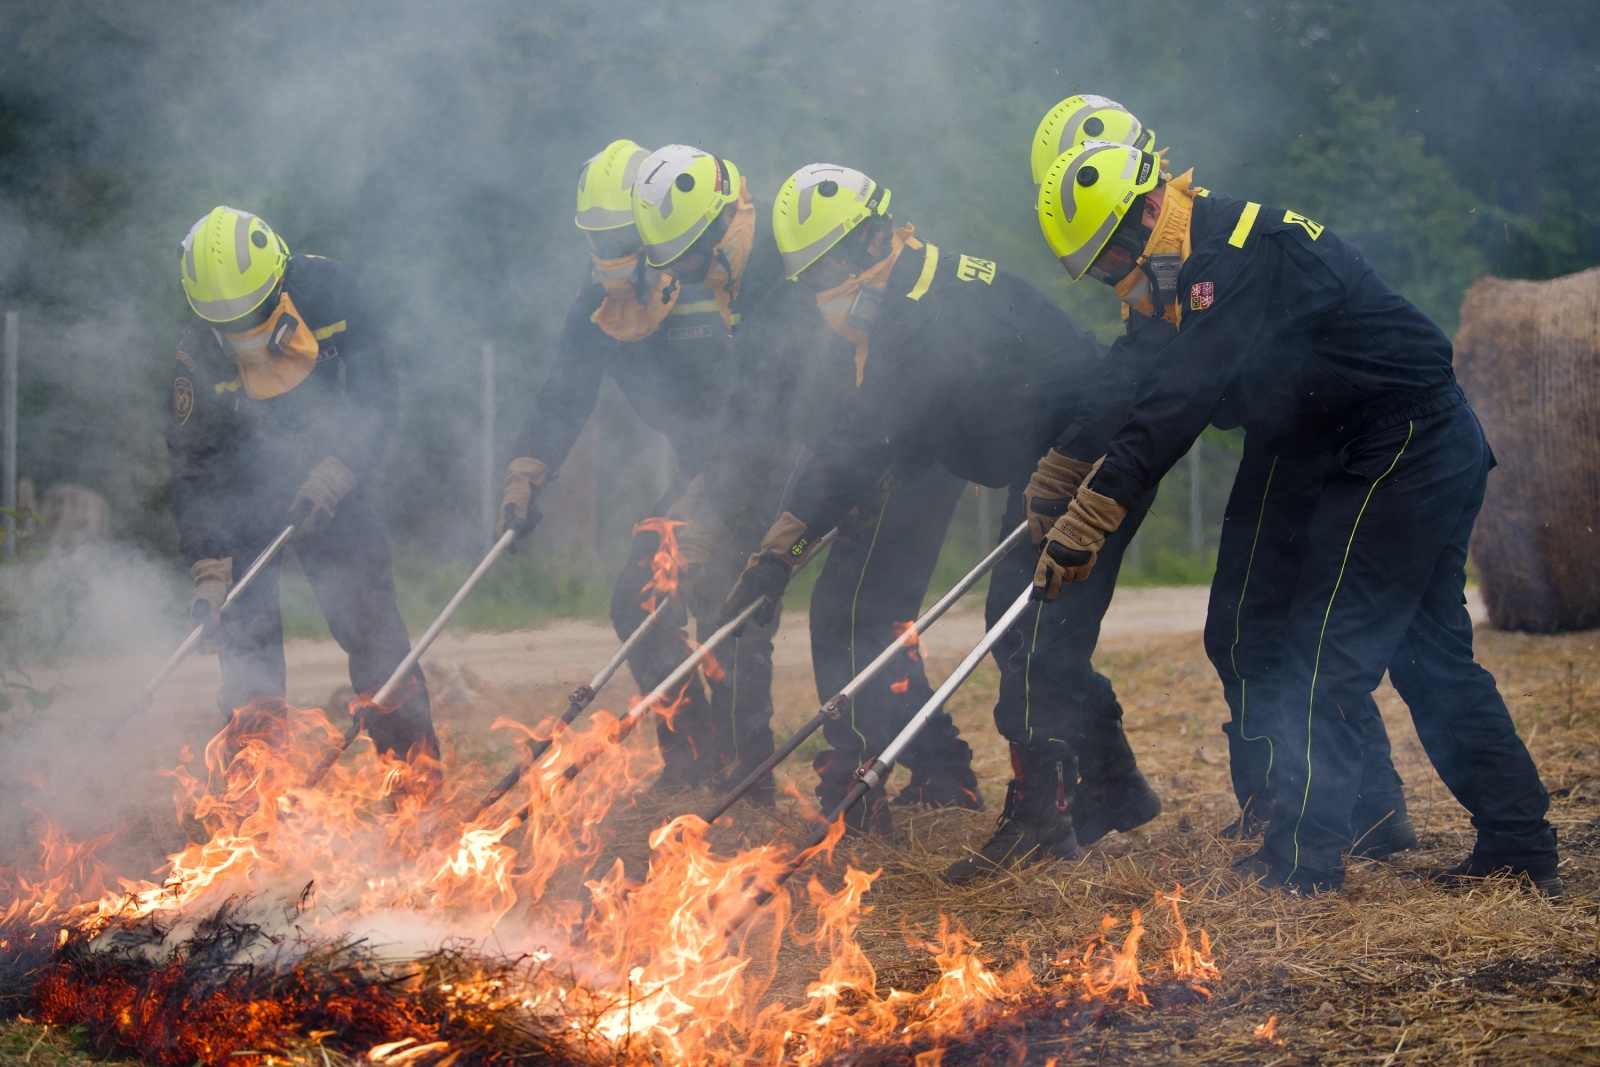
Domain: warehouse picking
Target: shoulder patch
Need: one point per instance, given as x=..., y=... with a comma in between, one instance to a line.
x=188, y=361
x=1314, y=229
x=182, y=399
x=1202, y=295
x=970, y=269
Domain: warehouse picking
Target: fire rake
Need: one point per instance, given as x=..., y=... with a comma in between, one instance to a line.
x=142, y=703
x=644, y=704
x=580, y=698
x=875, y=771
x=385, y=694
x=839, y=703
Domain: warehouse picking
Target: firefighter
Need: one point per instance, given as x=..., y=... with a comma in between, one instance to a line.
x=961, y=365
x=666, y=339
x=1258, y=560
x=1285, y=330
x=283, y=397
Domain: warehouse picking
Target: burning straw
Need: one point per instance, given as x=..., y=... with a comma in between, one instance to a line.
x=300, y=928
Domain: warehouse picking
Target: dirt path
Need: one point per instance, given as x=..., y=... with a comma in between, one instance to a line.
x=475, y=677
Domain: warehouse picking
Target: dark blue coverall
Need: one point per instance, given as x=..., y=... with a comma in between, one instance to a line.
x=237, y=463
x=1258, y=563
x=973, y=372
x=679, y=380
x=1287, y=331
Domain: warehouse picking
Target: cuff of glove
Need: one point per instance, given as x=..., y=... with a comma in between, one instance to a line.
x=212, y=570
x=1093, y=514
x=792, y=540
x=1063, y=469
x=526, y=469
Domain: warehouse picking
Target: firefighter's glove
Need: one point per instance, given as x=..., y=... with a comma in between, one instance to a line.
x=1073, y=543
x=1050, y=490
x=787, y=546
x=313, y=506
x=211, y=580
x=518, y=510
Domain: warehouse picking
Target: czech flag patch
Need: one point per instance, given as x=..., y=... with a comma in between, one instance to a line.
x=1201, y=296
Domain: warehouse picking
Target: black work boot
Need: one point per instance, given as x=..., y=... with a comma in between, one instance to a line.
x=1535, y=860
x=1254, y=814
x=942, y=777
x=1299, y=880
x=942, y=787
x=836, y=776
x=1112, y=794
x=1034, y=825
x=940, y=762
x=1380, y=828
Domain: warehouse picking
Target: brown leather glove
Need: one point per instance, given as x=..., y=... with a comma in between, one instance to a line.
x=525, y=477
x=1050, y=490
x=788, y=545
x=328, y=483
x=1073, y=543
x=211, y=580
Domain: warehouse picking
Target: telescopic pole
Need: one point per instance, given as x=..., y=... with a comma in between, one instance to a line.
x=148, y=693
x=877, y=770
x=580, y=698
x=839, y=703
x=381, y=698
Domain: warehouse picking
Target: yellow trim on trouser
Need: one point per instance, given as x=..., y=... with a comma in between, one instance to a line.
x=866, y=561
x=1027, y=677
x=1241, y=229
x=930, y=263
x=1316, y=666
x=328, y=331
x=1238, y=613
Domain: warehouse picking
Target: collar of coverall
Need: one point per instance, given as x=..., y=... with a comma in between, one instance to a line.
x=276, y=356
x=731, y=254
x=1165, y=251
x=837, y=303
x=632, y=312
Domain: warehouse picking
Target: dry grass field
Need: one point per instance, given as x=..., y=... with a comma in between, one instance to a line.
x=1393, y=971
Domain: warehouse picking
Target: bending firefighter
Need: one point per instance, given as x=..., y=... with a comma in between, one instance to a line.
x=660, y=314
x=1285, y=330
x=283, y=396
x=1260, y=555
x=962, y=368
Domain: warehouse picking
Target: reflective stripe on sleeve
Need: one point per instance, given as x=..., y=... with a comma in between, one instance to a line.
x=925, y=279
x=1241, y=229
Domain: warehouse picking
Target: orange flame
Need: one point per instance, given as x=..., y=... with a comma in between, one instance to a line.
x=1267, y=1033
x=913, y=648
x=666, y=565
x=901, y=686
x=644, y=970
x=1195, y=967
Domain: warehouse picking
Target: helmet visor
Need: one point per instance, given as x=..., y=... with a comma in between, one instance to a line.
x=614, y=244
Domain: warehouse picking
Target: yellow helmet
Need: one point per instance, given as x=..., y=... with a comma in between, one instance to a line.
x=230, y=261
x=1086, y=193
x=817, y=206
x=1085, y=118
x=605, y=187
x=679, y=192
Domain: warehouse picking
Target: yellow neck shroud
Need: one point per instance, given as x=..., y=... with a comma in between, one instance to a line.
x=835, y=303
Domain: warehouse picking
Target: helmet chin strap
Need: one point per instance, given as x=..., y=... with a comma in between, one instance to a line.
x=1151, y=287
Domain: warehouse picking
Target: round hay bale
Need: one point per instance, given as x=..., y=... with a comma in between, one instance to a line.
x=1528, y=357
